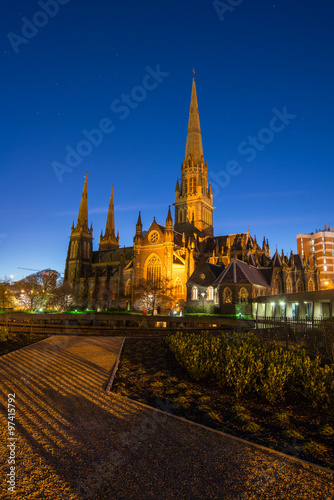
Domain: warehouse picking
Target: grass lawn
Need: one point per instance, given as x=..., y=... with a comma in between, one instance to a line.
x=149, y=371
x=17, y=341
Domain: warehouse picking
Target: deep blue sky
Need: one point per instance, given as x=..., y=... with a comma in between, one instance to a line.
x=262, y=55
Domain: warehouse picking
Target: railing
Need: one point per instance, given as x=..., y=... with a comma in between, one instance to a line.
x=300, y=323
x=303, y=332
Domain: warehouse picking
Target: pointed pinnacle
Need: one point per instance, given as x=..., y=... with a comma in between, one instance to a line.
x=139, y=220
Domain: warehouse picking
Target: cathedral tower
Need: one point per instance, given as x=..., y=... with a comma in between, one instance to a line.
x=193, y=196
x=80, y=248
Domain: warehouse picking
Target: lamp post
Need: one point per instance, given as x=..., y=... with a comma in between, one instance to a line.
x=203, y=295
x=150, y=297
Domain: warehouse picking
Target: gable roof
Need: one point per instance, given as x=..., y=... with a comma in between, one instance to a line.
x=240, y=272
x=276, y=260
x=205, y=273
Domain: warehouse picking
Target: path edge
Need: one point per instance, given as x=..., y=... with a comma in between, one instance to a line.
x=113, y=373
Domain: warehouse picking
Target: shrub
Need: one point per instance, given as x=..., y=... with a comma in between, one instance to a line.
x=3, y=334
x=291, y=433
x=314, y=447
x=326, y=340
x=283, y=418
x=252, y=427
x=245, y=363
x=326, y=430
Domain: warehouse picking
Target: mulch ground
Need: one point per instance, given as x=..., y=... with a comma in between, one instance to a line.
x=19, y=341
x=148, y=370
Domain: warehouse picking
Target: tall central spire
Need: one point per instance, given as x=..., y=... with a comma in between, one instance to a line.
x=82, y=224
x=194, y=147
x=193, y=195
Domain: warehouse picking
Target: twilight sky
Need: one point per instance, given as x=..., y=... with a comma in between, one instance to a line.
x=264, y=76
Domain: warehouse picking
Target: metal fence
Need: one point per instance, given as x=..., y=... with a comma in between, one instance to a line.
x=304, y=333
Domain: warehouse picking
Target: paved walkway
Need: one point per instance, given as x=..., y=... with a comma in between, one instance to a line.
x=75, y=441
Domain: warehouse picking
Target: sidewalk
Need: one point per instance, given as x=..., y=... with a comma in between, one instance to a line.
x=77, y=441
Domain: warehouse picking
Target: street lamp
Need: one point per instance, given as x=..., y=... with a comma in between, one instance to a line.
x=203, y=295
x=150, y=297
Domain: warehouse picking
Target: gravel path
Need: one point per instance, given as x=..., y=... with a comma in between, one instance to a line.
x=75, y=441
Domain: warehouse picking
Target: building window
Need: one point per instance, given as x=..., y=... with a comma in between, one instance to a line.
x=114, y=291
x=178, y=286
x=300, y=286
x=227, y=296
x=192, y=185
x=194, y=293
x=288, y=286
x=310, y=286
x=216, y=296
x=153, y=269
x=128, y=288
x=209, y=293
x=243, y=296
x=74, y=249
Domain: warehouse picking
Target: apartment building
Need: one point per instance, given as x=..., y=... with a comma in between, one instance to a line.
x=319, y=247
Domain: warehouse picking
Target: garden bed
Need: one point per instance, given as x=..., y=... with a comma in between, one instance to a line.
x=17, y=341
x=148, y=371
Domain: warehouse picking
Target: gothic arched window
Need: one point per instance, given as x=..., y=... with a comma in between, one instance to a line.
x=191, y=185
x=227, y=296
x=128, y=287
x=300, y=286
x=288, y=285
x=194, y=293
x=153, y=269
x=209, y=293
x=178, y=286
x=310, y=285
x=243, y=296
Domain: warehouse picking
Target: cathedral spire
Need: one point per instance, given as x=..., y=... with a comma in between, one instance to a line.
x=109, y=241
x=194, y=147
x=82, y=224
x=110, y=226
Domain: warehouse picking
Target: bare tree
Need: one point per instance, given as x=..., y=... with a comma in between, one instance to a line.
x=36, y=290
x=62, y=296
x=6, y=295
x=153, y=295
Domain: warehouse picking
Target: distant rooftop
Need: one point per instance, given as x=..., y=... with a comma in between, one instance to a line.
x=327, y=228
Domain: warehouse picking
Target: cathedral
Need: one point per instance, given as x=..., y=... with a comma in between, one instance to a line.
x=173, y=252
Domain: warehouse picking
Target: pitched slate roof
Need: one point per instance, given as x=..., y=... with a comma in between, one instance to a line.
x=298, y=261
x=267, y=273
x=235, y=240
x=240, y=272
x=276, y=260
x=217, y=270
